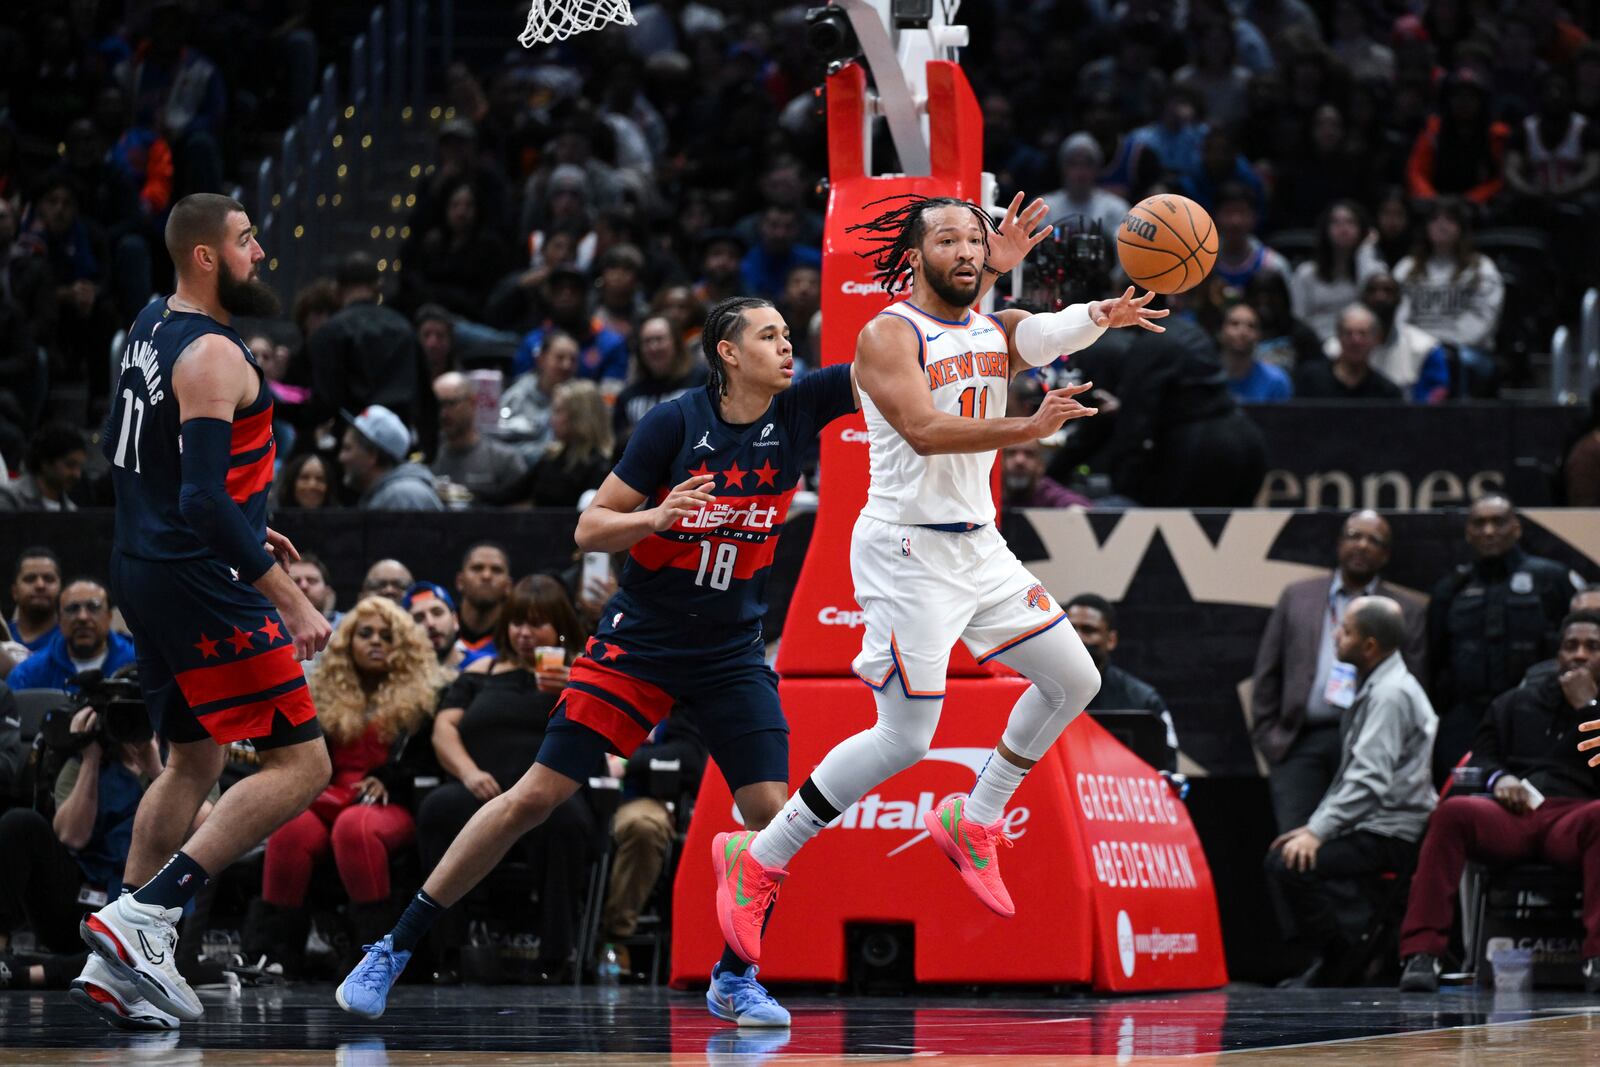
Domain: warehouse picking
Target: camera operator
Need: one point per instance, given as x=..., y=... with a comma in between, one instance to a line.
x=55, y=870
x=86, y=642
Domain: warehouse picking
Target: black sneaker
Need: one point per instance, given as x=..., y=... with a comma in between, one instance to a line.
x=1421, y=974
x=1591, y=975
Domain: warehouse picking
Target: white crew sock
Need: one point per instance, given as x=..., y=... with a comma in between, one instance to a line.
x=996, y=783
x=786, y=834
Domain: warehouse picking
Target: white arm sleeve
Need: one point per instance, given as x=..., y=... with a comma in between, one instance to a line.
x=1042, y=338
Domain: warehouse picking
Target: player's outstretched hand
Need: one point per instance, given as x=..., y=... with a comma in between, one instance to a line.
x=1016, y=237
x=281, y=547
x=1126, y=310
x=686, y=498
x=1059, y=407
x=307, y=628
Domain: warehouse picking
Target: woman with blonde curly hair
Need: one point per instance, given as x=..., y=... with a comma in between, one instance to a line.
x=375, y=686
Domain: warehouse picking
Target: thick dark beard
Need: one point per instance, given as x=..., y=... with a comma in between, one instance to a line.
x=248, y=297
x=946, y=290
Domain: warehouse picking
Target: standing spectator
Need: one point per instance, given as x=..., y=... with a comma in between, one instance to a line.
x=490, y=725
x=1461, y=150
x=766, y=265
x=486, y=468
x=1528, y=740
x=1096, y=622
x=577, y=460
x=86, y=642
x=1240, y=254
x=1296, y=701
x=1349, y=375
x=52, y=470
x=1249, y=379
x=1452, y=290
x=388, y=578
x=1488, y=622
x=366, y=353
x=373, y=455
x=1375, y=810
x=664, y=369
x=602, y=352
x=375, y=687
x=433, y=609
x=1028, y=486
x=484, y=583
x=304, y=482
x=460, y=259
x=1409, y=357
x=35, y=592
x=1079, y=204
x=526, y=407
x=1325, y=285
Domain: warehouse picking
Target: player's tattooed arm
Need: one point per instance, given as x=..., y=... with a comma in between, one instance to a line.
x=613, y=522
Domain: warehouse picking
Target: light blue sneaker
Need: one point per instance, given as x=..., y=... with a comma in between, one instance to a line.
x=739, y=998
x=365, y=990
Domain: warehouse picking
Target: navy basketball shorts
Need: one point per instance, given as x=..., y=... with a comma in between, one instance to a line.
x=215, y=659
x=630, y=677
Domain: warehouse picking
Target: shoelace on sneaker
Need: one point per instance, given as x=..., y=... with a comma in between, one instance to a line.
x=374, y=976
x=747, y=992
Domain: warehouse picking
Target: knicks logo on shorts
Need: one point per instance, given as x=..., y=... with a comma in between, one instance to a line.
x=1037, y=597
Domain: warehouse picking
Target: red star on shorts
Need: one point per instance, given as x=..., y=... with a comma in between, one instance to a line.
x=735, y=476
x=700, y=471
x=610, y=651
x=766, y=474
x=271, y=630
x=207, y=647
x=240, y=639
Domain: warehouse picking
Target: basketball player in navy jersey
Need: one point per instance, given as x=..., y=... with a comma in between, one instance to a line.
x=219, y=627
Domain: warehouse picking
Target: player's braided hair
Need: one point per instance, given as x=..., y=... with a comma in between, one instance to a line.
x=898, y=230
x=724, y=322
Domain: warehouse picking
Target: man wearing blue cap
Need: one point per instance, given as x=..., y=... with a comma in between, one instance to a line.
x=373, y=455
x=435, y=612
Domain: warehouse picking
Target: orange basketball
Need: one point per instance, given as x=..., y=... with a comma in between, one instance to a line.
x=1167, y=243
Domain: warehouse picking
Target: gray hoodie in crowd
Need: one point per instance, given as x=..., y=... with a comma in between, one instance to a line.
x=409, y=487
x=1385, y=779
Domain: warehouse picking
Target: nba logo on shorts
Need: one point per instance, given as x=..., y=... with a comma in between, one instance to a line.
x=905, y=546
x=1037, y=597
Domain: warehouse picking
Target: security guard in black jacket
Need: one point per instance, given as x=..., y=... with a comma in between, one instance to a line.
x=1488, y=622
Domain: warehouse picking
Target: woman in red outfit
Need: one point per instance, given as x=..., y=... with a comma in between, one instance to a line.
x=375, y=686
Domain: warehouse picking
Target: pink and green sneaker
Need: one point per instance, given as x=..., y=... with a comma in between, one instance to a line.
x=973, y=849
x=745, y=889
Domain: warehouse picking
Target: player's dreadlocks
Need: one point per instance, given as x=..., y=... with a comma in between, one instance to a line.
x=724, y=322
x=900, y=229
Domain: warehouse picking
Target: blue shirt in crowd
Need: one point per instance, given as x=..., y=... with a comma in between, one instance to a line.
x=1264, y=384
x=52, y=666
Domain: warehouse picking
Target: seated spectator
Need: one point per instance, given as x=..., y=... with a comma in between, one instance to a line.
x=460, y=259
x=1285, y=341
x=490, y=725
x=1176, y=137
x=1354, y=46
x=1526, y=741
x=86, y=642
x=1096, y=622
x=365, y=354
x=436, y=336
x=388, y=578
x=800, y=306
x=1130, y=72
x=1405, y=355
x=1131, y=165
x=1240, y=254
x=1295, y=706
x=173, y=87
x=315, y=303
x=289, y=401
x=1249, y=379
x=1079, y=204
x=13, y=753
x=35, y=591
x=375, y=688
x=1028, y=486
x=664, y=369
x=52, y=470
x=1325, y=285
x=433, y=609
x=1394, y=231
x=602, y=352
x=483, y=585
x=526, y=407
x=373, y=455
x=1328, y=167
x=1221, y=164
x=677, y=304
x=311, y=575
x=1452, y=290
x=466, y=458
x=766, y=265
x=722, y=254
x=619, y=300
x=579, y=457
x=644, y=824
x=1213, y=70
x=1369, y=821
x=77, y=262
x=57, y=869
x=1461, y=149
x=1552, y=154
x=1015, y=163
x=1349, y=375
x=304, y=482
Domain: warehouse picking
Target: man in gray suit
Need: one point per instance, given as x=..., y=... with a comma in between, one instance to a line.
x=1300, y=690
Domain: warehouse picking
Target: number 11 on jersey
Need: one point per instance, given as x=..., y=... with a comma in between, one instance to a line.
x=132, y=418
x=981, y=394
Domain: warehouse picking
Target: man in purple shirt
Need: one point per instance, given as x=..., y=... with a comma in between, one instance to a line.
x=1028, y=486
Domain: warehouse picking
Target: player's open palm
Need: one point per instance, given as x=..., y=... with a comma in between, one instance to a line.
x=686, y=498
x=1060, y=406
x=1128, y=310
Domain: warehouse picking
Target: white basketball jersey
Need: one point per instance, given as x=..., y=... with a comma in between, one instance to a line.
x=967, y=368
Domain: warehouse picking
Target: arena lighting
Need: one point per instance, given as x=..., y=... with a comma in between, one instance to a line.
x=829, y=35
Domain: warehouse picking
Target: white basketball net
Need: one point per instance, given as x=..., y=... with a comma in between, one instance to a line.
x=556, y=20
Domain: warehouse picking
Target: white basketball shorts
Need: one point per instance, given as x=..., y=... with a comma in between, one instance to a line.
x=922, y=589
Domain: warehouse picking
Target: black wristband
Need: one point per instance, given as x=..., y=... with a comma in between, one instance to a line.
x=991, y=270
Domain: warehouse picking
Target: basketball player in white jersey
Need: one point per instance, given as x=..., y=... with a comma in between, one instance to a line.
x=929, y=565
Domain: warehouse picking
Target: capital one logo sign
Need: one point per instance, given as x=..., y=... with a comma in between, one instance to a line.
x=875, y=811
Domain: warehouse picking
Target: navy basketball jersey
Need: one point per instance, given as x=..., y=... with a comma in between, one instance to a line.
x=714, y=563
x=141, y=439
